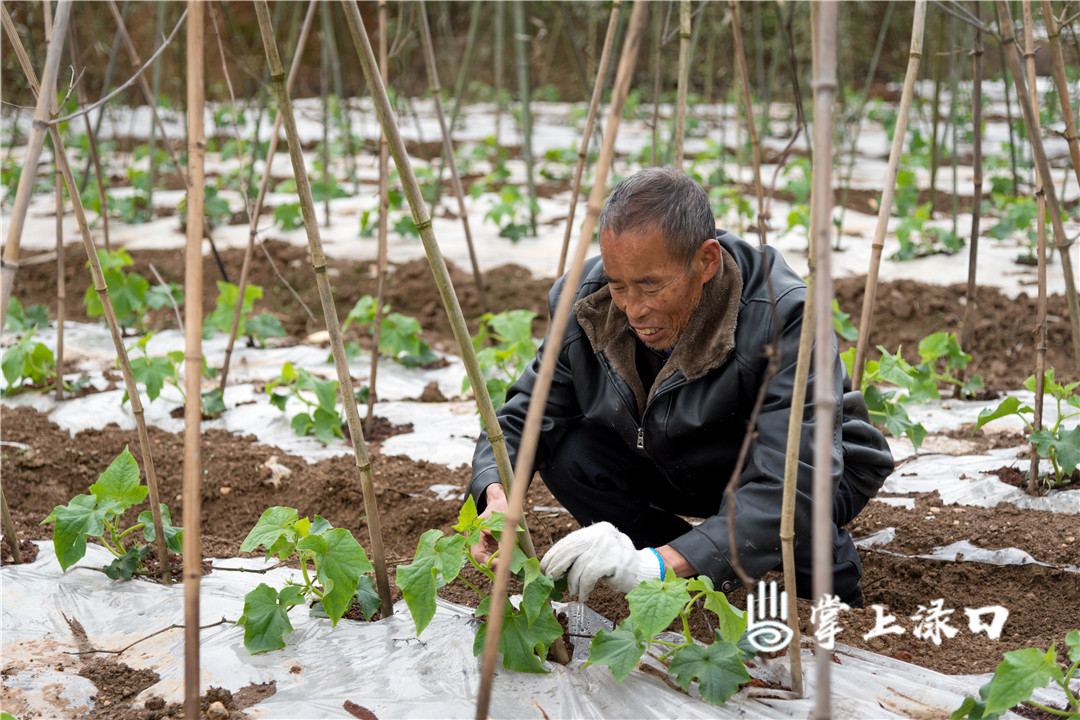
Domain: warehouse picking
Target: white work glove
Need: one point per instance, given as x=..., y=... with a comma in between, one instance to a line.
x=600, y=552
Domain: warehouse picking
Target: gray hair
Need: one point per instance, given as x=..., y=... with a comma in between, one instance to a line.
x=661, y=199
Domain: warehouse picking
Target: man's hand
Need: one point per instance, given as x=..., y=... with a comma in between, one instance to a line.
x=496, y=502
x=600, y=552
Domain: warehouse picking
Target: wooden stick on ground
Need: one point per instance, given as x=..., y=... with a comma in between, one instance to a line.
x=100, y=286
x=422, y=220
x=531, y=433
x=193, y=358
x=755, y=141
x=590, y=121
x=885, y=209
x=256, y=211
x=1040, y=202
x=1031, y=118
x=448, y=152
x=33, y=152
x=384, y=211
x=318, y=263
x=824, y=353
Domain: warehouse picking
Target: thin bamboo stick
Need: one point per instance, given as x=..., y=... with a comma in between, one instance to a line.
x=500, y=33
x=889, y=189
x=324, y=94
x=572, y=45
x=318, y=263
x=1009, y=122
x=755, y=141
x=531, y=433
x=155, y=90
x=58, y=185
x=193, y=358
x=1031, y=118
x=657, y=45
x=253, y=215
x=466, y=65
x=448, y=152
x=9, y=525
x=935, y=112
x=384, y=210
x=110, y=67
x=824, y=352
x=99, y=281
x=683, y=81
x=422, y=220
x=151, y=101
x=1061, y=82
x=1040, y=200
x=590, y=122
x=33, y=152
x=95, y=159
x=521, y=49
x=967, y=334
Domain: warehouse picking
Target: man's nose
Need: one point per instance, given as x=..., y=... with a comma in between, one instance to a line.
x=636, y=306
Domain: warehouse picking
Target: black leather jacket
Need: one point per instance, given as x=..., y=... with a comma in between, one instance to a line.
x=690, y=424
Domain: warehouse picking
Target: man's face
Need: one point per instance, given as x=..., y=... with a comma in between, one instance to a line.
x=657, y=292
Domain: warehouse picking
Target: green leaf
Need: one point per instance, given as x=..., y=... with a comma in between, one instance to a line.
x=222, y=317
x=538, y=587
x=523, y=644
x=438, y=561
x=276, y=523
x=731, y=621
x=1067, y=447
x=266, y=617
x=842, y=324
x=174, y=536
x=326, y=426
x=620, y=649
x=152, y=372
x=126, y=565
x=1072, y=641
x=302, y=424
x=120, y=483
x=339, y=567
x=655, y=603
x=265, y=325
x=213, y=403
x=716, y=667
x=73, y=522
x=1008, y=406
x=367, y=596
x=159, y=296
x=1019, y=674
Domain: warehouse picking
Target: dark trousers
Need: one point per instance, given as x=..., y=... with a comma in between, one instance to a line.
x=596, y=478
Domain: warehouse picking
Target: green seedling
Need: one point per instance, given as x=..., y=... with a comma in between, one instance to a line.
x=131, y=295
x=157, y=372
x=503, y=362
x=654, y=605
x=27, y=361
x=510, y=213
x=19, y=320
x=1019, y=674
x=260, y=327
x=98, y=515
x=528, y=630
x=322, y=419
x=1058, y=444
x=341, y=576
x=399, y=335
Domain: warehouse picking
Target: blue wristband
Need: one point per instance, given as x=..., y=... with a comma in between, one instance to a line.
x=662, y=573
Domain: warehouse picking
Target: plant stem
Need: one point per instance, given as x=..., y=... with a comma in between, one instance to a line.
x=120, y=537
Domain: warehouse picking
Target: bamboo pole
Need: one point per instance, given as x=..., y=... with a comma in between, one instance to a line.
x=967, y=334
x=889, y=189
x=34, y=143
x=448, y=152
x=500, y=33
x=1031, y=118
x=657, y=45
x=590, y=122
x=755, y=141
x=155, y=90
x=954, y=156
x=1040, y=200
x=58, y=186
x=253, y=215
x=324, y=94
x=9, y=524
x=1009, y=122
x=1061, y=82
x=683, y=81
x=521, y=49
x=95, y=159
x=422, y=220
x=99, y=279
x=318, y=262
x=466, y=65
x=935, y=111
x=824, y=352
x=537, y=404
x=110, y=66
x=193, y=358
x=384, y=210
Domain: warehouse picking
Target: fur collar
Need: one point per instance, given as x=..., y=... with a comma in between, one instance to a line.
x=704, y=345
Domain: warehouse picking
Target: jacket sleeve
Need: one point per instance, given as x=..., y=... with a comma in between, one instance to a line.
x=759, y=495
x=562, y=406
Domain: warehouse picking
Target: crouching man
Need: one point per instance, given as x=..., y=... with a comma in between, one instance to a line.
x=662, y=361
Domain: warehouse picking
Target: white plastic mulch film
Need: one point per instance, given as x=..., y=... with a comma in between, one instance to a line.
x=381, y=666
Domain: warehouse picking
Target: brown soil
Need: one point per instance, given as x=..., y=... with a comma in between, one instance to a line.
x=905, y=311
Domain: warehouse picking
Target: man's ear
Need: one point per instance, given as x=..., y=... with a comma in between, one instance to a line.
x=707, y=259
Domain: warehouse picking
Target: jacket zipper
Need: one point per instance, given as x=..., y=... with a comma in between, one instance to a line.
x=641, y=438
